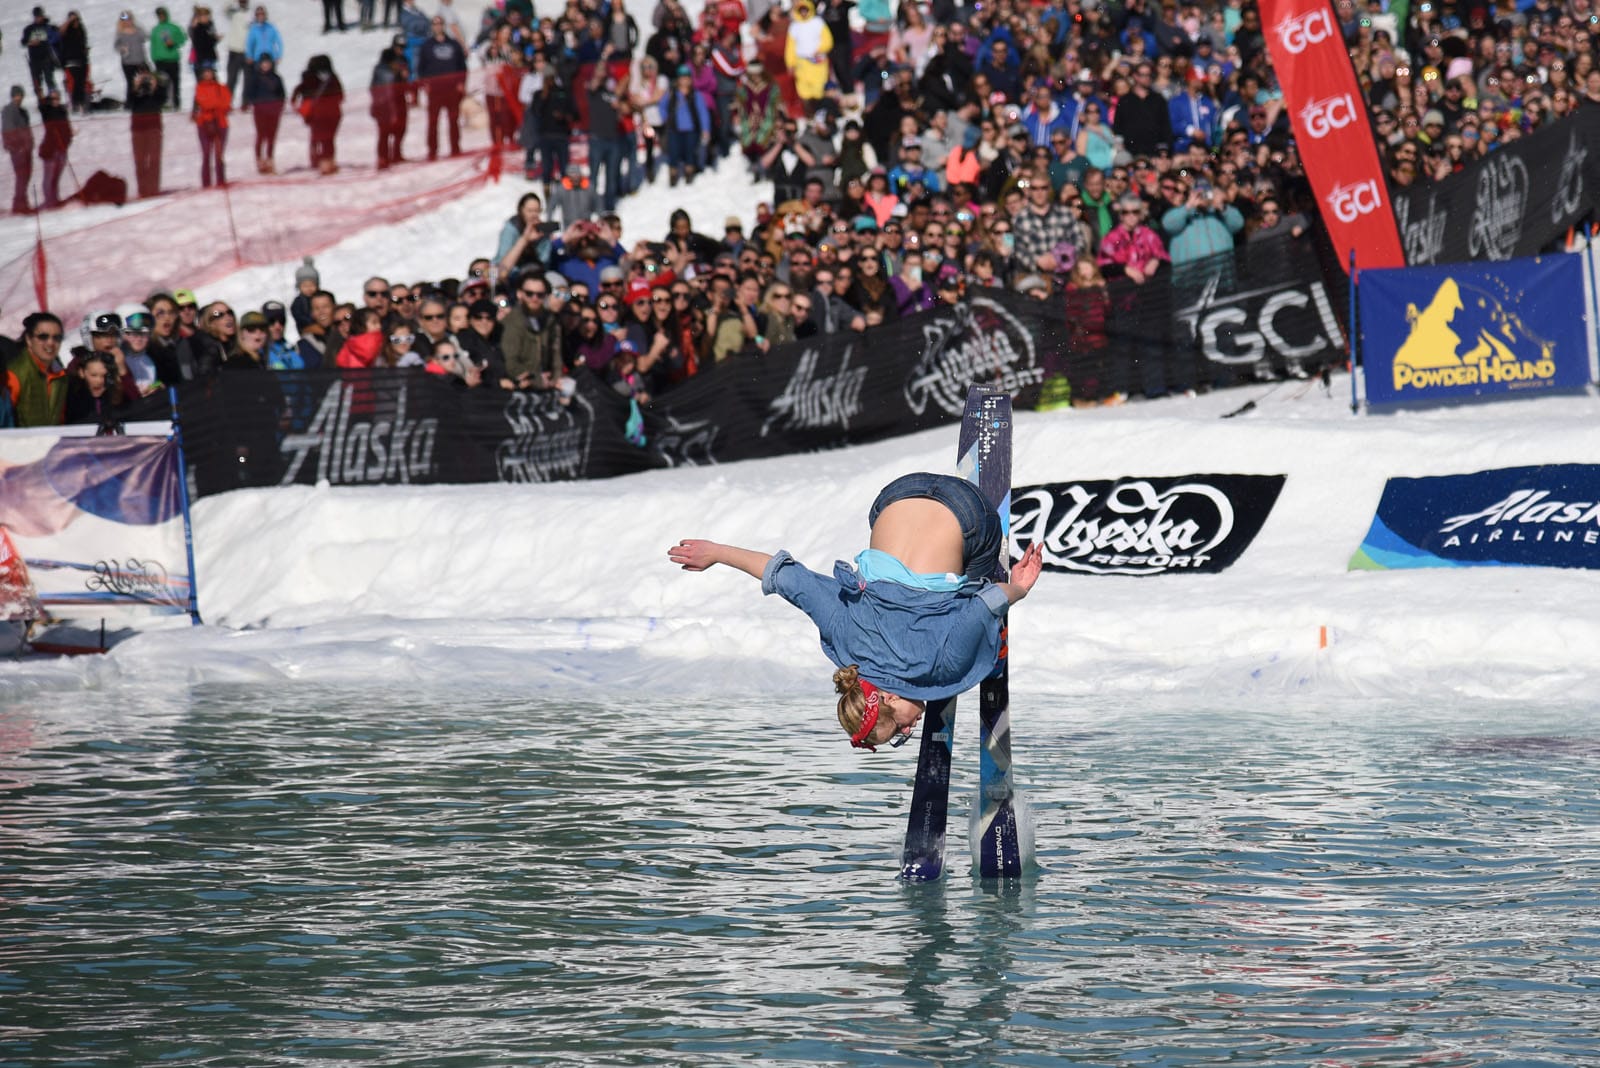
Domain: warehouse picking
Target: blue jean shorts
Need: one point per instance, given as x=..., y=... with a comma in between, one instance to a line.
x=981, y=535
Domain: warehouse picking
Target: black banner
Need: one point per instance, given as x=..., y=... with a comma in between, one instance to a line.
x=1518, y=201
x=1143, y=526
x=1263, y=309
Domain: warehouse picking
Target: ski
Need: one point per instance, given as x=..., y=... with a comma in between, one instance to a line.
x=922, y=860
x=983, y=455
x=986, y=439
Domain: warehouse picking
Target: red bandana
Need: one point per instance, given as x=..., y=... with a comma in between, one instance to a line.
x=869, y=719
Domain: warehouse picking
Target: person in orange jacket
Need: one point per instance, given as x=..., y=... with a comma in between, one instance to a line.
x=212, y=100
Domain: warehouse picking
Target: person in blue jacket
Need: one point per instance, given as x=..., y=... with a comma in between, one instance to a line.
x=915, y=617
x=261, y=39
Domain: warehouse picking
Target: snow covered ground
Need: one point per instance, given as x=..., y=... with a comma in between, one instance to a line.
x=564, y=588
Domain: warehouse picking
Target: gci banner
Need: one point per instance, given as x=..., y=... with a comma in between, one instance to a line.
x=1431, y=334
x=1143, y=526
x=1547, y=516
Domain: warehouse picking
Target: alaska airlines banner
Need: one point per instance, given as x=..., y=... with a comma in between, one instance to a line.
x=1331, y=129
x=94, y=521
x=1518, y=201
x=1431, y=334
x=1143, y=526
x=1546, y=516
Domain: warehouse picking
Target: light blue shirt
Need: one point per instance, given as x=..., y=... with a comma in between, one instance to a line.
x=918, y=643
x=875, y=565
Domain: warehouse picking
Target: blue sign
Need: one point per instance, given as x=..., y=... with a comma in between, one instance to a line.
x=1515, y=517
x=1432, y=334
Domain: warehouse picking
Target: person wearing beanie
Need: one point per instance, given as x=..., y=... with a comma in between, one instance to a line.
x=306, y=282
x=481, y=341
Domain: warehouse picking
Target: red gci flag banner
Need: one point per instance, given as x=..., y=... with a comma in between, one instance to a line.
x=1331, y=130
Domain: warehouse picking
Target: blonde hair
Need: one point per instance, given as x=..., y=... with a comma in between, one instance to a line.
x=852, y=702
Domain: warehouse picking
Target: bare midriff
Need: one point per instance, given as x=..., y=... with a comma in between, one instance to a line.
x=922, y=534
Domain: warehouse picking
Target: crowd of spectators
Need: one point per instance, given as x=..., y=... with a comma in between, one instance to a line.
x=915, y=154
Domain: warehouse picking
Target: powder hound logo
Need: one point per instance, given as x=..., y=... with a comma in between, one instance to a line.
x=1467, y=337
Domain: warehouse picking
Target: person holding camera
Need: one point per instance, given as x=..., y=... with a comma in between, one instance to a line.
x=145, y=103
x=1201, y=233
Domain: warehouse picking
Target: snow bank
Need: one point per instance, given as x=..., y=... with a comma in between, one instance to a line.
x=565, y=587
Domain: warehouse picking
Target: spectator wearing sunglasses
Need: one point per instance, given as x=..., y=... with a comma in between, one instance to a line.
x=35, y=378
x=531, y=337
x=480, y=341
x=208, y=347
x=433, y=326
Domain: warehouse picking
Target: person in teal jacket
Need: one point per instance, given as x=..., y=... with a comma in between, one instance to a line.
x=166, y=52
x=1200, y=230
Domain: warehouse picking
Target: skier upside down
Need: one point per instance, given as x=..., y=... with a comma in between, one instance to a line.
x=916, y=618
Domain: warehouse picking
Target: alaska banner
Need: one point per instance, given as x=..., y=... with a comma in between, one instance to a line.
x=1546, y=516
x=1518, y=201
x=1143, y=526
x=1435, y=334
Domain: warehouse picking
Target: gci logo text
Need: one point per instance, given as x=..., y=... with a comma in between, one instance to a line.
x=1299, y=32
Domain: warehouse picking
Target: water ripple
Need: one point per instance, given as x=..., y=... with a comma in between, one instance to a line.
x=229, y=875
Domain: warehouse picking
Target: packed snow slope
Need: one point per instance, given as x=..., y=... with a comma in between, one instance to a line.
x=565, y=587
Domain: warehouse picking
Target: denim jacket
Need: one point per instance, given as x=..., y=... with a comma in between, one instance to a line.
x=916, y=643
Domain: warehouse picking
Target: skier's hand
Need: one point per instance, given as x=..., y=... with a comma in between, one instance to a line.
x=1025, y=572
x=694, y=554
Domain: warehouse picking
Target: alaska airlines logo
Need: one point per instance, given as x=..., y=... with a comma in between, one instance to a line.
x=1298, y=32
x=1466, y=337
x=1529, y=507
x=1323, y=117
x=1498, y=208
x=1349, y=202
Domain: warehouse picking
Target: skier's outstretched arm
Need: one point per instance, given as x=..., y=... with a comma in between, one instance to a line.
x=695, y=554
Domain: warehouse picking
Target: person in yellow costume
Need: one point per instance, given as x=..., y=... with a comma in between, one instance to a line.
x=806, y=53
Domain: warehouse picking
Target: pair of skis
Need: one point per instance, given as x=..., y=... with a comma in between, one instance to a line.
x=983, y=455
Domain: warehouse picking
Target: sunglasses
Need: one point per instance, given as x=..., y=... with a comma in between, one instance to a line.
x=223, y=314
x=533, y=292
x=343, y=319
x=607, y=305
x=407, y=299
x=482, y=315
x=431, y=315
x=591, y=319
x=377, y=292
x=47, y=337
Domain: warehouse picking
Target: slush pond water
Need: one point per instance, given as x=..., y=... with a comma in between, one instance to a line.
x=296, y=874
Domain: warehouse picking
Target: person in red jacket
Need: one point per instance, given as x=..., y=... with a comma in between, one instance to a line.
x=212, y=101
x=365, y=342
